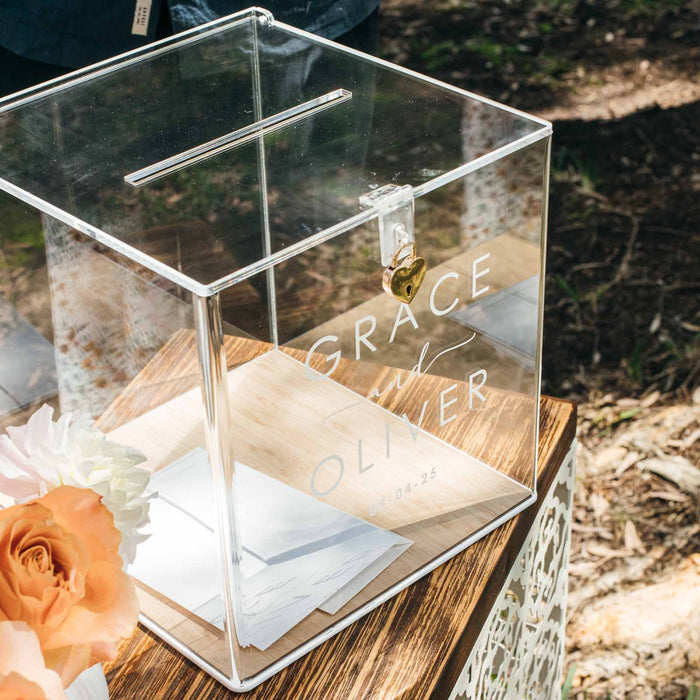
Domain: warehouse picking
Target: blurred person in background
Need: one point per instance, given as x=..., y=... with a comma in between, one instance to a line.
x=43, y=39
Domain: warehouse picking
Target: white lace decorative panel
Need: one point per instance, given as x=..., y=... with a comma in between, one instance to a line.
x=108, y=322
x=519, y=653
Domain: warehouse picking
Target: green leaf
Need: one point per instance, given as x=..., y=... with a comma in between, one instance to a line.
x=566, y=688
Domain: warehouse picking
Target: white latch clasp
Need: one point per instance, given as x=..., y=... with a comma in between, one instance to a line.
x=394, y=204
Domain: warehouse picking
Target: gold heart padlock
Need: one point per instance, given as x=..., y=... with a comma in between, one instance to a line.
x=403, y=278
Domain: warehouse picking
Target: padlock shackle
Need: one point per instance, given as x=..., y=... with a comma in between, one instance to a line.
x=396, y=257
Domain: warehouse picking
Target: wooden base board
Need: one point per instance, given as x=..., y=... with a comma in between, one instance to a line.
x=281, y=426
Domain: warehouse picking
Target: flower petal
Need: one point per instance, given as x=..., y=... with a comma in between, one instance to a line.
x=82, y=512
x=23, y=673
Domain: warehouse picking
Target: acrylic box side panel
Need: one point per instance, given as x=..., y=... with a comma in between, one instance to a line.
x=89, y=332
x=103, y=317
x=476, y=319
x=27, y=353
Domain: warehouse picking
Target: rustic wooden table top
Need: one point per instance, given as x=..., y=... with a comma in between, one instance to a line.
x=413, y=646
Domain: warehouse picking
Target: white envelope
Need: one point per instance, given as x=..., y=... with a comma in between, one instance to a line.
x=299, y=554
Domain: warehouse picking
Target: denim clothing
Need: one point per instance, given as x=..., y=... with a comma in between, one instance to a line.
x=76, y=33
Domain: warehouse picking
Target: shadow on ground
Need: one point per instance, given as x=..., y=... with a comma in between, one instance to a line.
x=623, y=281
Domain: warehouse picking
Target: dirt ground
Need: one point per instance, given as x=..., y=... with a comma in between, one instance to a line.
x=620, y=81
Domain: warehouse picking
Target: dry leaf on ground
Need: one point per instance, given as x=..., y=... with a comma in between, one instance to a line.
x=676, y=469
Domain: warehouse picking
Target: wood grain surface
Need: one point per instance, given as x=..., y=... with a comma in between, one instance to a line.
x=410, y=647
x=284, y=422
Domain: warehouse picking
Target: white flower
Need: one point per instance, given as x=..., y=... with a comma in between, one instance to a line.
x=44, y=454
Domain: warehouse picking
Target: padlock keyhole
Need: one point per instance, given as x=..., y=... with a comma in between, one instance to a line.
x=408, y=289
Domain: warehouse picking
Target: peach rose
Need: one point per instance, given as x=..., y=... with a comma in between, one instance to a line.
x=22, y=670
x=61, y=573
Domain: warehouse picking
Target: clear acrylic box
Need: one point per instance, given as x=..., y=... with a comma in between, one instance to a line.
x=219, y=212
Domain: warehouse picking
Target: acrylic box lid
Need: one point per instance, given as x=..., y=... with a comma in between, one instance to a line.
x=212, y=155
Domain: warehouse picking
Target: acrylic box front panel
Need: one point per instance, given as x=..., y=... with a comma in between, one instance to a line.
x=178, y=569
x=83, y=333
